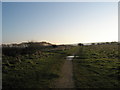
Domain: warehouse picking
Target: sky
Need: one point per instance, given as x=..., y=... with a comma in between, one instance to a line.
x=60, y=0
x=0, y=23
x=59, y=22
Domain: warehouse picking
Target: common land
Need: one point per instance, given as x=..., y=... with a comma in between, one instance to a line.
x=44, y=65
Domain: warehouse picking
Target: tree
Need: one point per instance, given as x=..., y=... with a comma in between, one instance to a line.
x=80, y=44
x=54, y=46
x=93, y=43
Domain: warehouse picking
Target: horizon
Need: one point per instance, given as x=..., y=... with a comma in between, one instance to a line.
x=60, y=23
x=56, y=44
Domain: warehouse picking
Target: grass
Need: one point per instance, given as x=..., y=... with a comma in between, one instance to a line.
x=32, y=70
x=97, y=67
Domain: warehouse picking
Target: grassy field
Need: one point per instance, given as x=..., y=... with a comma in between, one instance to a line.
x=97, y=66
x=36, y=69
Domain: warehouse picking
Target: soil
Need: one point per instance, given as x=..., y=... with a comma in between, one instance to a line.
x=66, y=79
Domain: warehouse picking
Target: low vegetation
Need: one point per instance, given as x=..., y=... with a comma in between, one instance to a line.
x=97, y=66
x=30, y=67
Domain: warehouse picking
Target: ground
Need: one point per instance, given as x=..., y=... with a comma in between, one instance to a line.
x=66, y=79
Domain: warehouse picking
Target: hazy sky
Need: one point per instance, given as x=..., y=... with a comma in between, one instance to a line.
x=0, y=23
x=60, y=0
x=60, y=22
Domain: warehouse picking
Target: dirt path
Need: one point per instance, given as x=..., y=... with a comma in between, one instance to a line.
x=66, y=79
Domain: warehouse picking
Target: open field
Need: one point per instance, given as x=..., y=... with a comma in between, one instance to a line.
x=31, y=69
x=59, y=44
x=97, y=66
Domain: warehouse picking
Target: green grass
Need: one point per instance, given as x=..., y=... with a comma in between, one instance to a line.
x=96, y=67
x=32, y=71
